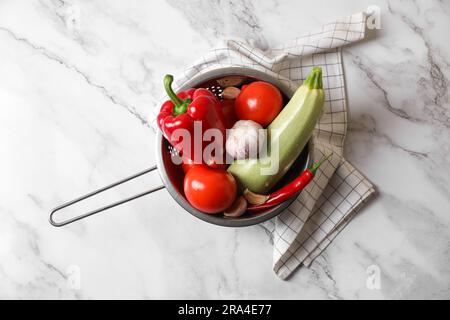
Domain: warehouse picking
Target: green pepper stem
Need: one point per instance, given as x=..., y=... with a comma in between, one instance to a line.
x=316, y=165
x=179, y=106
x=314, y=79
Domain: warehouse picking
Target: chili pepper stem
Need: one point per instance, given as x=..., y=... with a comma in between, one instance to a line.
x=179, y=106
x=316, y=165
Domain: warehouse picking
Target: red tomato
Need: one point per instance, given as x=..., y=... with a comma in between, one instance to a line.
x=187, y=164
x=259, y=101
x=209, y=190
x=228, y=112
x=216, y=165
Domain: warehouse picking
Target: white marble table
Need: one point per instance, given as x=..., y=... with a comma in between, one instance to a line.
x=76, y=82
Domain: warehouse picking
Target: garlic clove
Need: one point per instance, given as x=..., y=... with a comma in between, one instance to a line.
x=230, y=81
x=245, y=140
x=255, y=198
x=237, y=209
x=230, y=93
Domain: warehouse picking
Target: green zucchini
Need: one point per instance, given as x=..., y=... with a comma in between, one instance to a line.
x=289, y=131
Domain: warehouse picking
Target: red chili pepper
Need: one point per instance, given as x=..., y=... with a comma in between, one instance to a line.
x=182, y=110
x=291, y=189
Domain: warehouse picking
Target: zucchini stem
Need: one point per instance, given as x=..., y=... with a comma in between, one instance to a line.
x=314, y=79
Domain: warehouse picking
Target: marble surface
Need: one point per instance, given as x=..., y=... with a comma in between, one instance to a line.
x=76, y=82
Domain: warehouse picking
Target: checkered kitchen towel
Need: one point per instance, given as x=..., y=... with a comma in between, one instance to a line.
x=329, y=202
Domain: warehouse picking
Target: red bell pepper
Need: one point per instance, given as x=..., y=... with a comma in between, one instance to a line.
x=185, y=108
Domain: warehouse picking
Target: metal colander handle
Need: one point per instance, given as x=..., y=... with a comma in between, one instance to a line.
x=109, y=206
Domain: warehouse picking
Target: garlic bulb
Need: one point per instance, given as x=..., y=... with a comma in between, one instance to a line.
x=245, y=139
